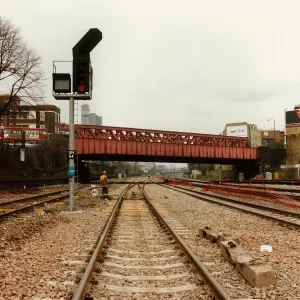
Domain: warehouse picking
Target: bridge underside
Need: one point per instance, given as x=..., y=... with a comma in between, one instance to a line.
x=166, y=159
x=249, y=167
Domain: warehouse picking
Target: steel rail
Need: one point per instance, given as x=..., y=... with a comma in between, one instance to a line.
x=254, y=191
x=32, y=197
x=31, y=183
x=285, y=191
x=235, y=200
x=16, y=210
x=81, y=288
x=220, y=292
x=31, y=206
x=295, y=182
x=218, y=200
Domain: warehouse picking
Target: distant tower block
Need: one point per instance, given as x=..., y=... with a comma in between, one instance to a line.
x=85, y=114
x=88, y=118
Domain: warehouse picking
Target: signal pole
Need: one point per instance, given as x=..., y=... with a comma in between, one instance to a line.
x=71, y=148
x=81, y=90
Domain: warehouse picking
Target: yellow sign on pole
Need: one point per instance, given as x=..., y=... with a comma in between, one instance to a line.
x=22, y=154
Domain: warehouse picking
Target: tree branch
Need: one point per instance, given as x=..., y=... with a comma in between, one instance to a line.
x=20, y=66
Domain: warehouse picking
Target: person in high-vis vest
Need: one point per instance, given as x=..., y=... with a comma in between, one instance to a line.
x=104, y=184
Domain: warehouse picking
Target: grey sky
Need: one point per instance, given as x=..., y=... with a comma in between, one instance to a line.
x=190, y=65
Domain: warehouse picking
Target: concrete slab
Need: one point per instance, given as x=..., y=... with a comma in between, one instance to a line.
x=258, y=275
x=66, y=213
x=226, y=237
x=209, y=234
x=234, y=253
x=74, y=262
x=244, y=259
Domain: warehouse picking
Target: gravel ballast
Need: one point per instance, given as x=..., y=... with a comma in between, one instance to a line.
x=9, y=196
x=142, y=261
x=253, y=232
x=43, y=254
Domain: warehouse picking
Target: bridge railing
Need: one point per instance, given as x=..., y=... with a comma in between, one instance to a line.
x=157, y=136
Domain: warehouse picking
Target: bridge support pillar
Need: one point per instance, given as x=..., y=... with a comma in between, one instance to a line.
x=249, y=169
x=83, y=171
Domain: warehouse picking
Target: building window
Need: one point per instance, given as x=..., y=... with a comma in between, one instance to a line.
x=24, y=115
x=42, y=126
x=27, y=115
x=42, y=116
x=32, y=115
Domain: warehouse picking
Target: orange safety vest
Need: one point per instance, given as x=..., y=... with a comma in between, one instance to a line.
x=103, y=178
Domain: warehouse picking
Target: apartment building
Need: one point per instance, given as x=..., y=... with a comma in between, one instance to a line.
x=30, y=116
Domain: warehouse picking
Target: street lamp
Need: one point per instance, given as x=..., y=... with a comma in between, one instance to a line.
x=285, y=110
x=274, y=129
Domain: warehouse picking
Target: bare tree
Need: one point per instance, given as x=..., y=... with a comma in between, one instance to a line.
x=20, y=67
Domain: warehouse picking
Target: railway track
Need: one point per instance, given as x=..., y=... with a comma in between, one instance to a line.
x=141, y=256
x=31, y=183
x=279, y=215
x=18, y=205
x=252, y=188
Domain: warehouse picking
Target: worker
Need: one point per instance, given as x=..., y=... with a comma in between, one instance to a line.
x=104, y=184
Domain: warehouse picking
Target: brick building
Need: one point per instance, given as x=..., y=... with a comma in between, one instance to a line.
x=292, y=129
x=64, y=128
x=10, y=110
x=269, y=137
x=30, y=116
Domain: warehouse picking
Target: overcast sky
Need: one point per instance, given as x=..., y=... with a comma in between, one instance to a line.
x=190, y=65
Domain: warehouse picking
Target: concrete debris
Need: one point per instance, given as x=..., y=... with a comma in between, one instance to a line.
x=257, y=274
x=266, y=248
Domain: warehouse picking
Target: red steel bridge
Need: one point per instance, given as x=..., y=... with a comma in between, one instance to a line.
x=132, y=144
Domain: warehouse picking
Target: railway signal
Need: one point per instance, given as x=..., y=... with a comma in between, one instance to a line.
x=82, y=70
x=82, y=75
x=82, y=90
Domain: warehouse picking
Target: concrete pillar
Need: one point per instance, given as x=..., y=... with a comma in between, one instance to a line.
x=249, y=169
x=83, y=171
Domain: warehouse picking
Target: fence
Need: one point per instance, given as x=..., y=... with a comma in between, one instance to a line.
x=251, y=192
x=180, y=182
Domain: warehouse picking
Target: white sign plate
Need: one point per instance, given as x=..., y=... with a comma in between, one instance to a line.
x=71, y=154
x=237, y=131
x=95, y=192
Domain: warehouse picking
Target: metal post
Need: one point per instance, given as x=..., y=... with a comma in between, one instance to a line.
x=285, y=110
x=273, y=130
x=71, y=147
x=274, y=133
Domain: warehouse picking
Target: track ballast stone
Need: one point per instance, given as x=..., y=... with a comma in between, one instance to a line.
x=252, y=231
